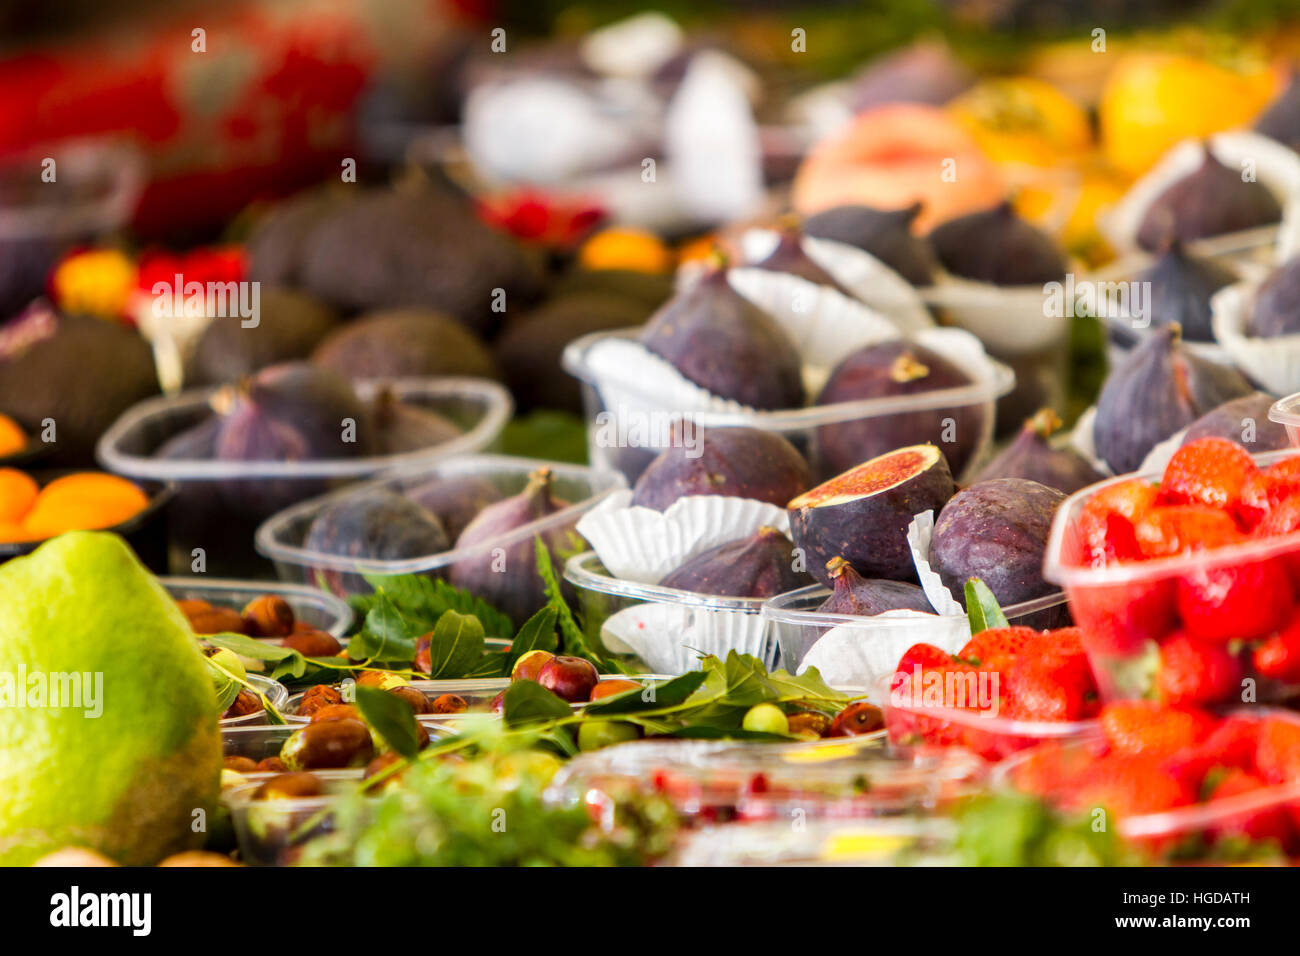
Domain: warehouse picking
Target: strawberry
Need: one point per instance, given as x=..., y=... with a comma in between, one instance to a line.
x=1264, y=823
x=1277, y=753
x=1117, y=619
x=1131, y=784
x=1262, y=492
x=1145, y=727
x=920, y=657
x=1286, y=468
x=1050, y=769
x=1282, y=518
x=1051, y=687
x=1231, y=744
x=1105, y=526
x=1245, y=602
x=1178, y=529
x=1195, y=672
x=1208, y=471
x=994, y=648
x=1131, y=499
x=1279, y=656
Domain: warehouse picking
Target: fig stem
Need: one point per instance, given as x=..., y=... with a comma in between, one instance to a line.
x=835, y=567
x=907, y=369
x=1044, y=422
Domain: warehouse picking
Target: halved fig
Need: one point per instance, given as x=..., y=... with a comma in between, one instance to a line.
x=862, y=515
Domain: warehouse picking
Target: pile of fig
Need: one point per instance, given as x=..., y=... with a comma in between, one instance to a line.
x=998, y=247
x=1031, y=456
x=1213, y=200
x=760, y=565
x=1243, y=420
x=883, y=233
x=1277, y=302
x=1180, y=289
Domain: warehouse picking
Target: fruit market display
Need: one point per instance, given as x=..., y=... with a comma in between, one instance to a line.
x=690, y=448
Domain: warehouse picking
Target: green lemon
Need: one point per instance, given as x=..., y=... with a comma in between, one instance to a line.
x=766, y=719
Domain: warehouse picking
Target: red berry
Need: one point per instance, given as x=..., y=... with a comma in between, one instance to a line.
x=1277, y=753
x=1242, y=602
x=1145, y=727
x=1266, y=823
x=1179, y=529
x=1194, y=672
x=995, y=647
x=1279, y=656
x=1208, y=471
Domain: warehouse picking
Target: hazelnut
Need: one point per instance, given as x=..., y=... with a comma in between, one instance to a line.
x=268, y=616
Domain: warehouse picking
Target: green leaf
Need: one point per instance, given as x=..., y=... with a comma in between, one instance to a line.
x=555, y=436
x=669, y=693
x=226, y=694
x=982, y=610
x=288, y=662
x=386, y=636
x=456, y=645
x=422, y=601
x=390, y=717
x=537, y=634
x=573, y=641
x=527, y=701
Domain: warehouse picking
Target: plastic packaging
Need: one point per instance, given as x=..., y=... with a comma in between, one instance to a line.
x=220, y=503
x=613, y=435
x=270, y=831
x=318, y=608
x=282, y=537
x=1286, y=412
x=276, y=694
x=885, y=841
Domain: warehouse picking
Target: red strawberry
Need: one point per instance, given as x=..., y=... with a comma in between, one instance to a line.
x=1277, y=754
x=1231, y=744
x=1051, y=769
x=1208, y=471
x=1131, y=784
x=1266, y=823
x=1051, y=685
x=1286, y=468
x=1178, y=529
x=994, y=648
x=1283, y=518
x=1263, y=492
x=1145, y=727
x=1105, y=527
x=1194, y=672
x=1117, y=619
x=918, y=657
x=1279, y=656
x=1242, y=602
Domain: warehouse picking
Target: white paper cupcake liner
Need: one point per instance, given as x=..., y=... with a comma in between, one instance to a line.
x=643, y=545
x=941, y=599
x=1276, y=166
x=862, y=654
x=1273, y=363
x=670, y=638
x=1010, y=320
x=1083, y=441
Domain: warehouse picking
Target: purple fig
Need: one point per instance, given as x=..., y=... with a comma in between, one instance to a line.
x=289, y=327
x=1211, y=201
x=886, y=370
x=1159, y=389
x=506, y=576
x=738, y=462
x=997, y=531
x=455, y=500
x=997, y=246
x=405, y=343
x=925, y=72
x=1243, y=420
x=851, y=593
x=1277, y=303
x=884, y=233
x=727, y=345
x=196, y=443
x=758, y=566
x=401, y=428
x=862, y=515
x=376, y=525
x=788, y=257
x=1031, y=456
x=1281, y=120
x=1181, y=286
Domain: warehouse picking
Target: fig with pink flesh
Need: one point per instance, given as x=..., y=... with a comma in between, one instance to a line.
x=851, y=593
x=1032, y=456
x=762, y=564
x=862, y=515
x=738, y=462
x=1213, y=200
x=506, y=575
x=886, y=370
x=727, y=346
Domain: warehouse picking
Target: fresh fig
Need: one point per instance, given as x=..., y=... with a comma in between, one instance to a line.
x=1281, y=120
x=851, y=593
x=758, y=566
x=400, y=427
x=1277, y=303
x=1157, y=390
x=507, y=577
x=890, y=369
x=293, y=412
x=289, y=326
x=997, y=246
x=996, y=531
x=725, y=344
x=1031, y=456
x=377, y=525
x=1181, y=286
x=925, y=72
x=455, y=500
x=1211, y=201
x=788, y=257
x=196, y=443
x=405, y=343
x=862, y=515
x=738, y=462
x=884, y=233
x=1243, y=420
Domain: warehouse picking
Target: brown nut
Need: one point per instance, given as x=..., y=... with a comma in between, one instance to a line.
x=271, y=765
x=808, y=723
x=858, y=718
x=449, y=704
x=335, y=712
x=218, y=620
x=313, y=643
x=419, y=703
x=240, y=764
x=268, y=616
x=329, y=745
x=287, y=786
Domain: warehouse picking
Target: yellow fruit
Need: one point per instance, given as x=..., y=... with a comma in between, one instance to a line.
x=12, y=438
x=95, y=282
x=83, y=502
x=18, y=491
x=631, y=249
x=1023, y=120
x=1154, y=101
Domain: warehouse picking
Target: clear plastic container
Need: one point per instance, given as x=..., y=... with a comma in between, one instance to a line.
x=220, y=503
x=799, y=425
x=318, y=608
x=282, y=538
x=145, y=532
x=797, y=625
x=883, y=841
x=276, y=694
x=1286, y=412
x=666, y=627
x=271, y=831
x=1126, y=610
x=726, y=781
